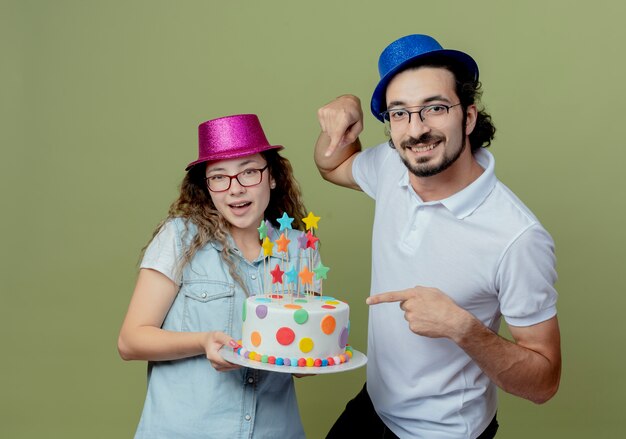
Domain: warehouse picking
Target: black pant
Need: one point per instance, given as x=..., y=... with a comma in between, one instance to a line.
x=360, y=412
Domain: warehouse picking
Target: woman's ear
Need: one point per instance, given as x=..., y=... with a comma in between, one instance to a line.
x=272, y=183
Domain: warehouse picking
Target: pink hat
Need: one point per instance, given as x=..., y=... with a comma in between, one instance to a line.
x=230, y=137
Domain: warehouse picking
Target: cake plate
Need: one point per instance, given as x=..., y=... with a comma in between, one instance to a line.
x=358, y=359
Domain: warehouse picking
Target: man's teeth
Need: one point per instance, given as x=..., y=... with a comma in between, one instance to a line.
x=422, y=148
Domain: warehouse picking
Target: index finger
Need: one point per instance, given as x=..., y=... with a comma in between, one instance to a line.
x=335, y=142
x=392, y=296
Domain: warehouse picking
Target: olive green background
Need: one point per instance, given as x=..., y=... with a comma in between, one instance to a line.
x=99, y=107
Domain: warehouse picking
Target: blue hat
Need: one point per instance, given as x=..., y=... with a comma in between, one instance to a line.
x=404, y=51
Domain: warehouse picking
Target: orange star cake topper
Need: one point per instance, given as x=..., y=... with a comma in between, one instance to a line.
x=282, y=243
x=306, y=275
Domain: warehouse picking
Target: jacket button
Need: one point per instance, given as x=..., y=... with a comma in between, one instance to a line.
x=247, y=417
x=250, y=380
x=204, y=295
x=253, y=276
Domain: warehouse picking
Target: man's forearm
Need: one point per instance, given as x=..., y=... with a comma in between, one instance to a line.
x=336, y=167
x=515, y=368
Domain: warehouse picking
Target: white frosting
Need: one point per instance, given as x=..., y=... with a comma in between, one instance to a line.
x=311, y=326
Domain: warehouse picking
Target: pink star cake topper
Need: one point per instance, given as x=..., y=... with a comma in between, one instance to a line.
x=311, y=240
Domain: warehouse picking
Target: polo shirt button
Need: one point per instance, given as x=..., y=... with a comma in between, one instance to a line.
x=247, y=417
x=250, y=380
x=204, y=295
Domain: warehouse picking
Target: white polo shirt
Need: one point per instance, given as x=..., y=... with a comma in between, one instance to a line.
x=485, y=249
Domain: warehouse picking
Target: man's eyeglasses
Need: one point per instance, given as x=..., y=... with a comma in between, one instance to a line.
x=246, y=178
x=427, y=114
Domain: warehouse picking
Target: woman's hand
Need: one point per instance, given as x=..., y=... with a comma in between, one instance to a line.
x=213, y=343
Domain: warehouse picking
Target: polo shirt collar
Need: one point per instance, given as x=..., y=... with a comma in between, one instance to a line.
x=464, y=202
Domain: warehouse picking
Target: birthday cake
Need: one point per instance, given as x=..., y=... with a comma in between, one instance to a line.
x=291, y=324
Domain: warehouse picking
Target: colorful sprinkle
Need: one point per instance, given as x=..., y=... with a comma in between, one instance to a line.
x=280, y=362
x=309, y=362
x=324, y=363
x=301, y=362
x=330, y=360
x=332, y=302
x=317, y=362
x=271, y=360
x=264, y=358
x=292, y=306
x=328, y=307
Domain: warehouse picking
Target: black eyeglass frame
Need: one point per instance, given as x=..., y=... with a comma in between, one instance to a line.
x=386, y=118
x=236, y=176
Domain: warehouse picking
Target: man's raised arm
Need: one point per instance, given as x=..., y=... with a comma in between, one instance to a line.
x=338, y=144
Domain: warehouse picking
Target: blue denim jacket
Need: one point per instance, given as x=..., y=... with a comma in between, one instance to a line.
x=187, y=398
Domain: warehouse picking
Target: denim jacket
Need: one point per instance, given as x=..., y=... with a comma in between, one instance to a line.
x=187, y=398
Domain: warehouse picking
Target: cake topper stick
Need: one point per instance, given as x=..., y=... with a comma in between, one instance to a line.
x=306, y=276
x=282, y=244
x=267, y=251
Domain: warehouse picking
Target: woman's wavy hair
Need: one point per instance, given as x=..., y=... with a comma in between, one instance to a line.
x=469, y=92
x=194, y=205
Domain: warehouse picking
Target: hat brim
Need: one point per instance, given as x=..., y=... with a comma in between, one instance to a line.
x=378, y=103
x=233, y=154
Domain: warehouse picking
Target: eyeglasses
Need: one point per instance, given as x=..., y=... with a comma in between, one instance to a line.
x=246, y=178
x=427, y=113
